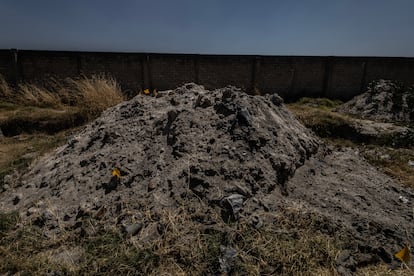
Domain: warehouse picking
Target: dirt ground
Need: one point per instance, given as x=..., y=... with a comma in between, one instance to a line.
x=229, y=160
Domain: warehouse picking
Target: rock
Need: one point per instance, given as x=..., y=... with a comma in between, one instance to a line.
x=202, y=102
x=233, y=204
x=381, y=133
x=346, y=260
x=226, y=261
x=244, y=117
x=342, y=271
x=403, y=199
x=32, y=210
x=276, y=100
x=133, y=229
x=411, y=163
x=8, y=179
x=66, y=256
x=385, y=157
x=256, y=221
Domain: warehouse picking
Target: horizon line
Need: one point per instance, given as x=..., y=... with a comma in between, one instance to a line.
x=197, y=54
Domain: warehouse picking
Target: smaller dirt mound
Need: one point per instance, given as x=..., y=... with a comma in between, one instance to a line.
x=384, y=100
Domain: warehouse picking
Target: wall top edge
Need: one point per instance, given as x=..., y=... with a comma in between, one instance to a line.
x=56, y=52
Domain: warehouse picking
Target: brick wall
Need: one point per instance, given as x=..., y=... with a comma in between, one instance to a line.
x=220, y=71
x=36, y=65
x=275, y=75
x=7, y=68
x=126, y=69
x=290, y=76
x=346, y=77
x=170, y=71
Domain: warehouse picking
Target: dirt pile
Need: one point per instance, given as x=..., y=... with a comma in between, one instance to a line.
x=234, y=156
x=384, y=100
x=213, y=144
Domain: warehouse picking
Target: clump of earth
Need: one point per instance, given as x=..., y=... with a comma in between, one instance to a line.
x=242, y=156
x=384, y=100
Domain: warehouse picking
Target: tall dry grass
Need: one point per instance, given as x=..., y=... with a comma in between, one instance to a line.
x=93, y=95
x=5, y=90
x=90, y=95
x=33, y=95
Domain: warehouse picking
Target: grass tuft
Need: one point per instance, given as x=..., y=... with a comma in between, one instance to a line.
x=321, y=103
x=94, y=95
x=5, y=89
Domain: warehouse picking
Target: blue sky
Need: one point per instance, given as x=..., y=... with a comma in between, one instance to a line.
x=307, y=27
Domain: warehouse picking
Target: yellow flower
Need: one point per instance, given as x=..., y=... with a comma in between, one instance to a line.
x=116, y=172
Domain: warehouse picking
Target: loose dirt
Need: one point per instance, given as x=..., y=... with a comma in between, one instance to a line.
x=384, y=100
x=241, y=156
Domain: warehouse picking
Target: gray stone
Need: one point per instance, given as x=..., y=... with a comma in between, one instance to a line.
x=233, y=204
x=8, y=179
x=385, y=157
x=276, y=100
x=227, y=258
x=133, y=229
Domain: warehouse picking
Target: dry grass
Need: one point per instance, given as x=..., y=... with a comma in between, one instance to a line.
x=91, y=95
x=32, y=111
x=16, y=153
x=33, y=95
x=288, y=244
x=384, y=270
x=317, y=115
x=393, y=162
x=335, y=128
x=5, y=89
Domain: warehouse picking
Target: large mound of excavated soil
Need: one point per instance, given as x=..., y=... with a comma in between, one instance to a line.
x=240, y=155
x=384, y=100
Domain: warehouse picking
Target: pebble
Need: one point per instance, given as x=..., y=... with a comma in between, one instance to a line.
x=385, y=157
x=133, y=229
x=403, y=199
x=7, y=179
x=32, y=210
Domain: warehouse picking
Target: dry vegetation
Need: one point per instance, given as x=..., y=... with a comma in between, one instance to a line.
x=36, y=119
x=317, y=115
x=290, y=243
x=334, y=128
x=90, y=96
